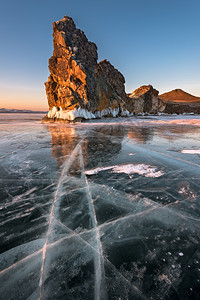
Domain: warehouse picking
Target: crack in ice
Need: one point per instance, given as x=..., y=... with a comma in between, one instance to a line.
x=98, y=260
x=165, y=154
x=66, y=166
x=135, y=288
x=20, y=261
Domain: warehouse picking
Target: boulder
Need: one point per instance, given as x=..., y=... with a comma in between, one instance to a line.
x=145, y=100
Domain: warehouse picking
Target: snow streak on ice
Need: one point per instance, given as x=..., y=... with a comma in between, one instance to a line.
x=191, y=151
x=141, y=169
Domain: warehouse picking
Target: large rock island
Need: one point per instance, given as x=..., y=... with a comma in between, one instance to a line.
x=78, y=86
x=81, y=88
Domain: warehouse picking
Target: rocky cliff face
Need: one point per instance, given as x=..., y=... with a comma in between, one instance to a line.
x=145, y=100
x=78, y=86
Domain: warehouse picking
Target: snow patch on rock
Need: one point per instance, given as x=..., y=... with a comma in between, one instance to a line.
x=52, y=112
x=70, y=115
x=59, y=113
x=126, y=113
x=108, y=111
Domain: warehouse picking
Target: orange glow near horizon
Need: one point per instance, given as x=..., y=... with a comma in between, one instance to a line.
x=32, y=98
x=23, y=99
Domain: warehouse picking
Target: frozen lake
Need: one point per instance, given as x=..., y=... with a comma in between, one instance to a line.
x=108, y=209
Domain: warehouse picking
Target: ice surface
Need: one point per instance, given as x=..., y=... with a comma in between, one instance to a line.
x=100, y=210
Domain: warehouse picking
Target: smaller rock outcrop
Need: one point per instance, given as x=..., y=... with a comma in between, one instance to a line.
x=180, y=102
x=145, y=100
x=182, y=108
x=179, y=96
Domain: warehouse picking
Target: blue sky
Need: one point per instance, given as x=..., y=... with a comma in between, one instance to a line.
x=151, y=42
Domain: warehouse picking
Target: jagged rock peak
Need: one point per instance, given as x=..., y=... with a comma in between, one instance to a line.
x=74, y=39
x=179, y=95
x=145, y=100
x=144, y=90
x=78, y=86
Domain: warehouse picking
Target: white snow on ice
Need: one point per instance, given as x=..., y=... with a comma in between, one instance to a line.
x=97, y=170
x=191, y=151
x=141, y=169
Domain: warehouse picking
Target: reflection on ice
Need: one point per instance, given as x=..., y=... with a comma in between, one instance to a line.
x=100, y=211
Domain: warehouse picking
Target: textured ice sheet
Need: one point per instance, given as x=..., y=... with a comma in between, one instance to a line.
x=81, y=218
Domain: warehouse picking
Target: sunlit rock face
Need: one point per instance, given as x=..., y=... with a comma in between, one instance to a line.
x=179, y=102
x=78, y=86
x=145, y=100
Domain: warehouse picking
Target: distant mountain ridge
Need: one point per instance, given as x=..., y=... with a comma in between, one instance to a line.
x=24, y=111
x=179, y=95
